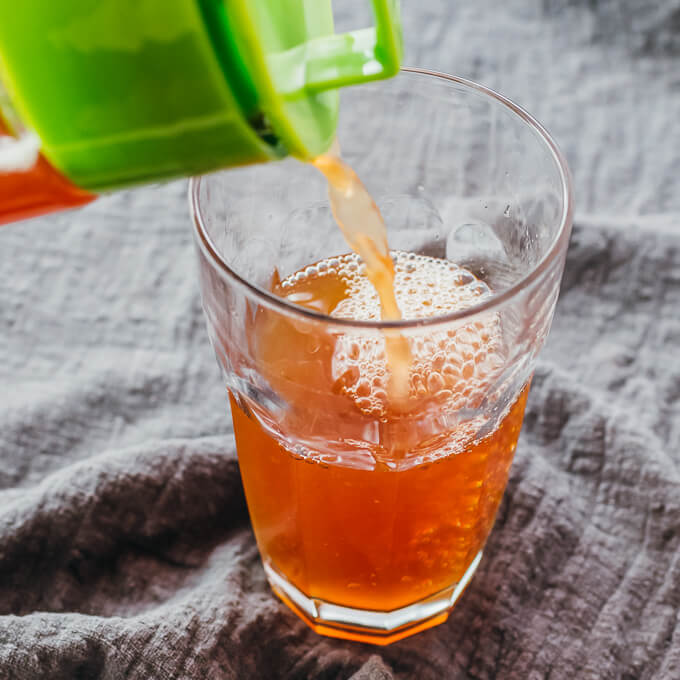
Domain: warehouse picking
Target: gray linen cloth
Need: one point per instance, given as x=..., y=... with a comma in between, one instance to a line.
x=125, y=547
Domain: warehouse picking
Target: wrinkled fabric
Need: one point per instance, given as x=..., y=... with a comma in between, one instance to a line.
x=125, y=546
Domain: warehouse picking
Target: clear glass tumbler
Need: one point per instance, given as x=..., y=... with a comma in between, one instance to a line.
x=370, y=521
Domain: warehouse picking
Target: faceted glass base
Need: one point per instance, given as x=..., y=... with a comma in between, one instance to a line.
x=376, y=627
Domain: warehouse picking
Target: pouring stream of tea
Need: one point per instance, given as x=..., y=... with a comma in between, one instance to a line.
x=364, y=229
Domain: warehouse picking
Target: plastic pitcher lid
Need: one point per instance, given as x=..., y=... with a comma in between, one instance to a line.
x=142, y=91
x=285, y=63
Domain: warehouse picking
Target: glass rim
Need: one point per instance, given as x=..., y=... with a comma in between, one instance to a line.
x=490, y=303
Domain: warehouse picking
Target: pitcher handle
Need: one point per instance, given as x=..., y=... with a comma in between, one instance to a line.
x=339, y=60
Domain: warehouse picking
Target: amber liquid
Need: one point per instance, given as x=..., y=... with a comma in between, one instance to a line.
x=373, y=526
x=373, y=482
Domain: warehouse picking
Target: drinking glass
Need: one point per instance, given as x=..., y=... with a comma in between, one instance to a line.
x=370, y=524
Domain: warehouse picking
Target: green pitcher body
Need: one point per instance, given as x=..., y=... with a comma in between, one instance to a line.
x=121, y=92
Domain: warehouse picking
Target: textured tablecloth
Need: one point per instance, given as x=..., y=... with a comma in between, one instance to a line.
x=125, y=547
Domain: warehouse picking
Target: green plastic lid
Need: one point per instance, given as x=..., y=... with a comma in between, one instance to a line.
x=293, y=63
x=122, y=92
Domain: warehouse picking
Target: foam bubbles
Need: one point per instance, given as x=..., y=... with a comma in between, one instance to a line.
x=451, y=365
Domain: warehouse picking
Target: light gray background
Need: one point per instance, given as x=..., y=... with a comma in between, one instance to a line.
x=125, y=550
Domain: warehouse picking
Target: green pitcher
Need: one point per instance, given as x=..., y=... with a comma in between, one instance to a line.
x=111, y=93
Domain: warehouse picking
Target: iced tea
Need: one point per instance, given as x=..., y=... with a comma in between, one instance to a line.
x=355, y=499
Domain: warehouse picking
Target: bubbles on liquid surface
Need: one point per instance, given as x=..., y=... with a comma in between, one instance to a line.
x=451, y=365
